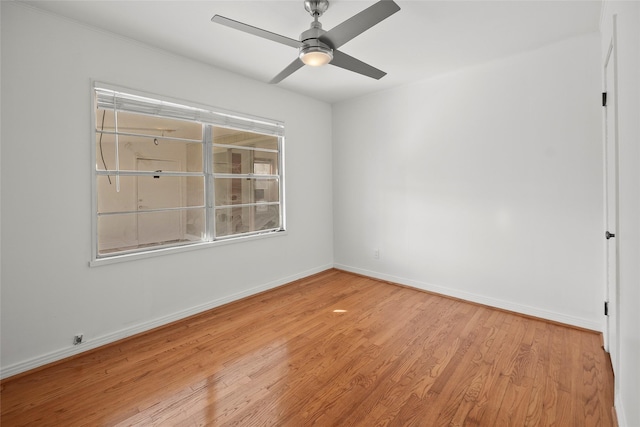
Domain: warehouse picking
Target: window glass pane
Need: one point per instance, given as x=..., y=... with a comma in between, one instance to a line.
x=265, y=163
x=196, y=225
x=105, y=151
x=117, y=233
x=124, y=232
x=143, y=124
x=138, y=193
x=266, y=190
x=244, y=139
x=111, y=200
x=195, y=189
x=239, y=220
x=194, y=157
x=226, y=160
x=144, y=202
x=240, y=191
x=148, y=154
x=158, y=192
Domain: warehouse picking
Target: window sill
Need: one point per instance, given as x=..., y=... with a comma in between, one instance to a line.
x=152, y=253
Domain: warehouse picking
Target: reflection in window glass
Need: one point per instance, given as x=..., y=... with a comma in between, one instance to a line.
x=242, y=220
x=245, y=167
x=154, y=188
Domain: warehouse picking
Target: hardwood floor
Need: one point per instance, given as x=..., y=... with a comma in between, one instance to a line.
x=395, y=356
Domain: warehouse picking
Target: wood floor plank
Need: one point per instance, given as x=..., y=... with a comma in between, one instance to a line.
x=334, y=349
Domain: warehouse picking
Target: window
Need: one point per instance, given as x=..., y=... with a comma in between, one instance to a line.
x=170, y=175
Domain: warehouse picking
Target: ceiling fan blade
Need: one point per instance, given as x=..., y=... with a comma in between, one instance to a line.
x=255, y=31
x=291, y=68
x=342, y=60
x=359, y=23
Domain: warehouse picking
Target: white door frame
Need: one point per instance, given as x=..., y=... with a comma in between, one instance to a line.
x=611, y=199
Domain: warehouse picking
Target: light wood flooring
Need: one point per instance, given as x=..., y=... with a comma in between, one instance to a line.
x=289, y=357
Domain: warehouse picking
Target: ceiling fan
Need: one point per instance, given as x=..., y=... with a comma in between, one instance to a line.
x=318, y=47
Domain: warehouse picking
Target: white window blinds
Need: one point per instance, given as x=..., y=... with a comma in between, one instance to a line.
x=108, y=98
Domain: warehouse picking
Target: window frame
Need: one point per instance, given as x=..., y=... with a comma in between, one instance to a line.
x=210, y=118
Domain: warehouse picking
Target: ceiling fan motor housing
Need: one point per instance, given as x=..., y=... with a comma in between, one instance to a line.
x=311, y=43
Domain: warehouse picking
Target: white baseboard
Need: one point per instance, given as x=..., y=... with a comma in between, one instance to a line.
x=96, y=342
x=620, y=414
x=480, y=299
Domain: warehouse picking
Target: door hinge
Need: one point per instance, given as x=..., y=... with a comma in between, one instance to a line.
x=606, y=308
x=604, y=99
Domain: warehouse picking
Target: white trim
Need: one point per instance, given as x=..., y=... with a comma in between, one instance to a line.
x=605, y=195
x=93, y=343
x=617, y=406
x=488, y=301
x=150, y=253
x=125, y=99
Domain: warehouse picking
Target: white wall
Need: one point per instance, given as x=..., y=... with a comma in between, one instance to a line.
x=49, y=293
x=628, y=233
x=484, y=184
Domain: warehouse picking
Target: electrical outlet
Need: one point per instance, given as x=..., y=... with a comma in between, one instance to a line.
x=376, y=254
x=77, y=339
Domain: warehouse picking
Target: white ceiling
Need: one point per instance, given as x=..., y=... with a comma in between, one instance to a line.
x=423, y=39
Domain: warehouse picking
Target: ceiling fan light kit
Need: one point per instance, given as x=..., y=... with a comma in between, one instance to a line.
x=317, y=47
x=313, y=52
x=316, y=56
